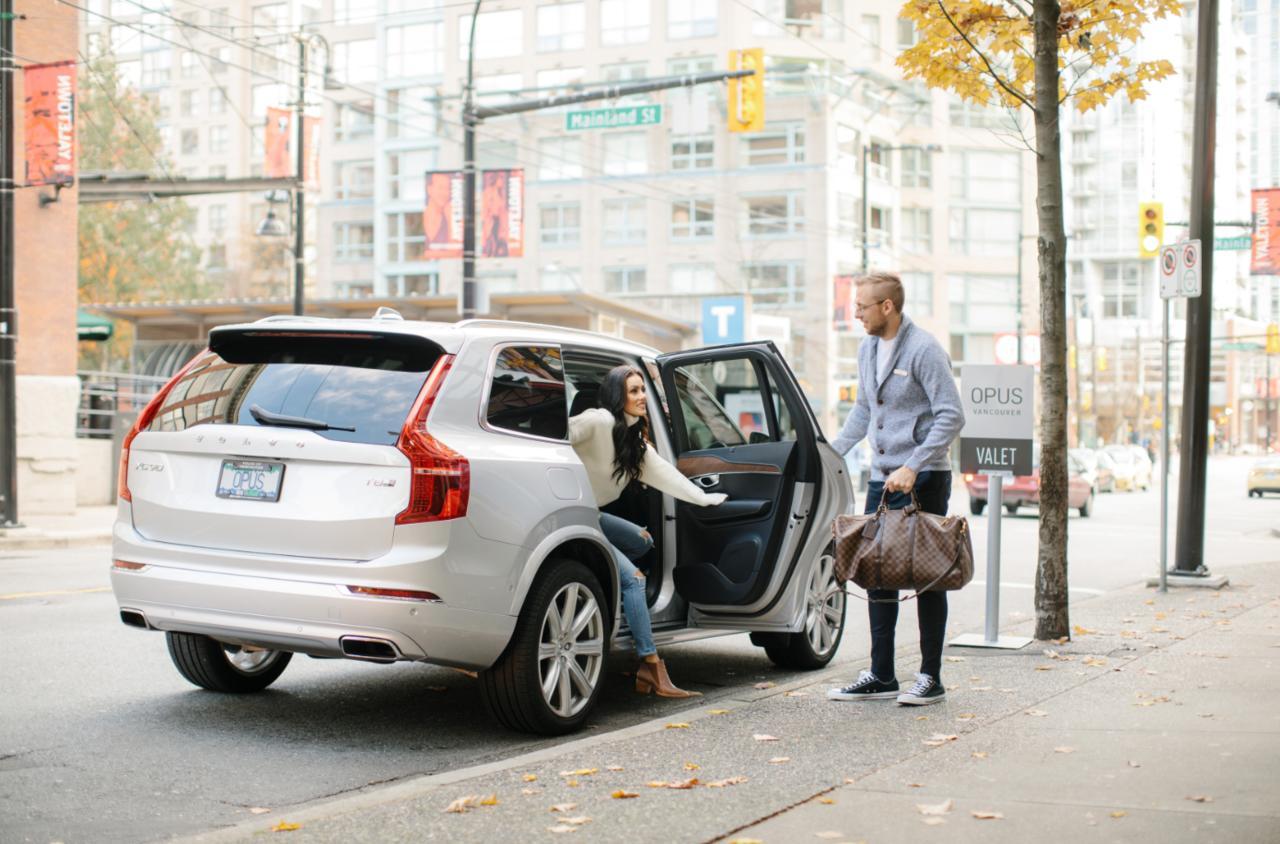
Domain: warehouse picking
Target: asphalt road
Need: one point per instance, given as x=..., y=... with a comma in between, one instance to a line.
x=101, y=740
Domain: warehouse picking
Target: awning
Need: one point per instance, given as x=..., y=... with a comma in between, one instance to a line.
x=93, y=327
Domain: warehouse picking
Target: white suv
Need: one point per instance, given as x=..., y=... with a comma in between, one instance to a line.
x=389, y=490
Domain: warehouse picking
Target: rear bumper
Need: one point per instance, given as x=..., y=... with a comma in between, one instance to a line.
x=182, y=589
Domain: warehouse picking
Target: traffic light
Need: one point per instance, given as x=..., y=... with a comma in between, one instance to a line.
x=1150, y=228
x=746, y=94
x=848, y=393
x=1273, y=339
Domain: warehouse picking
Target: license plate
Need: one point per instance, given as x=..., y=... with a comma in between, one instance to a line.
x=251, y=480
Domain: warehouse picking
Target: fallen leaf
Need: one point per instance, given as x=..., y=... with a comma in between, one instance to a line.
x=724, y=782
x=622, y=794
x=849, y=780
x=765, y=685
x=936, y=808
x=564, y=807
x=682, y=784
x=718, y=712
x=562, y=828
x=581, y=772
x=1200, y=798
x=679, y=725
x=1064, y=749
x=966, y=716
x=571, y=783
x=259, y=810
x=1119, y=814
x=530, y=777
x=1044, y=668
x=763, y=737
x=915, y=785
x=922, y=717
x=826, y=801
x=1094, y=661
x=1038, y=713
x=285, y=826
x=578, y=821
x=614, y=768
x=829, y=835
x=491, y=800
x=939, y=739
x=1133, y=764
x=691, y=766
x=987, y=816
x=462, y=804
x=528, y=791
x=934, y=821
x=979, y=754
x=796, y=694
x=779, y=760
x=745, y=841
x=1082, y=631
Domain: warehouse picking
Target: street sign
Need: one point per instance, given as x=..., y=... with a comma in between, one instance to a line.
x=1233, y=244
x=723, y=319
x=614, y=118
x=999, y=413
x=1243, y=346
x=1180, y=268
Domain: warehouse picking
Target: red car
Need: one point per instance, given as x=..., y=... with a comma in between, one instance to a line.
x=1025, y=489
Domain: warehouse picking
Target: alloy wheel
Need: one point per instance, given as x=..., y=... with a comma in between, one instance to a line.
x=824, y=609
x=570, y=649
x=247, y=659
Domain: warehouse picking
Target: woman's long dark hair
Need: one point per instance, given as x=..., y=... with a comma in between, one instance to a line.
x=629, y=441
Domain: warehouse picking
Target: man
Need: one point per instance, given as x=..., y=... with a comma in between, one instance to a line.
x=909, y=406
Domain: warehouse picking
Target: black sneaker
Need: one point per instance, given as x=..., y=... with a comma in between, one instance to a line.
x=868, y=687
x=927, y=690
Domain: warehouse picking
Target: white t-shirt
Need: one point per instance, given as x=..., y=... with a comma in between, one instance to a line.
x=884, y=354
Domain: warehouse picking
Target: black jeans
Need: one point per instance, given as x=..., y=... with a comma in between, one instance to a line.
x=933, y=490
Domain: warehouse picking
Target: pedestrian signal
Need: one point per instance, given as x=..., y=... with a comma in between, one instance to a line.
x=746, y=94
x=1273, y=339
x=1150, y=228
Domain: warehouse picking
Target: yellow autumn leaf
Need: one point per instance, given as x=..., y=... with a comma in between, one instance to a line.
x=623, y=794
x=681, y=725
x=718, y=712
x=530, y=777
x=491, y=800
x=285, y=826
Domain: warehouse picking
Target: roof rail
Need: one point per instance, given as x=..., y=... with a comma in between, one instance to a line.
x=387, y=313
x=292, y=318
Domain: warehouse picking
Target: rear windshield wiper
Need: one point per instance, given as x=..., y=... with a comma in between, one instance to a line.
x=266, y=417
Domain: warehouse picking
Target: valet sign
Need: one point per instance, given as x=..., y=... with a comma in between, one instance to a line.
x=999, y=419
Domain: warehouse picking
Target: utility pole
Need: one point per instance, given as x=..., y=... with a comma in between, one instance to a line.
x=8, y=311
x=469, y=121
x=1189, y=553
x=306, y=40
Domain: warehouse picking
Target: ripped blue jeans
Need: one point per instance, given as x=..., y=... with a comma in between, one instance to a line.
x=631, y=542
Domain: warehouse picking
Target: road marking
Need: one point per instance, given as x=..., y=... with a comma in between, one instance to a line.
x=16, y=595
x=1083, y=589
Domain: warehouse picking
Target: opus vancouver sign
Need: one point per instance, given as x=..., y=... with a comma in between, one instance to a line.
x=999, y=419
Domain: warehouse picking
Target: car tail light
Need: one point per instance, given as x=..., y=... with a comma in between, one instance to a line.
x=402, y=594
x=144, y=420
x=968, y=479
x=440, y=478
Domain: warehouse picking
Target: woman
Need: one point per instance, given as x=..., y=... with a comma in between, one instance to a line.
x=613, y=443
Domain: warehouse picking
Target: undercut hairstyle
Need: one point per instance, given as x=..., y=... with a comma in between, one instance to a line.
x=884, y=286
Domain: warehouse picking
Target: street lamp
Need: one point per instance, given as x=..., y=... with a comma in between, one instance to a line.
x=306, y=41
x=866, y=205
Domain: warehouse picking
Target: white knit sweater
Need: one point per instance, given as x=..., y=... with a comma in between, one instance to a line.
x=591, y=434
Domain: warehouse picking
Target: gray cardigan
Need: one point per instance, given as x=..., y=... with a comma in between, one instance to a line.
x=914, y=415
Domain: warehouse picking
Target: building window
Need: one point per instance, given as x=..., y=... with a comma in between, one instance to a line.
x=220, y=58
x=354, y=121
x=561, y=223
x=353, y=180
x=189, y=64
x=353, y=242
x=974, y=116
x=217, y=101
x=415, y=50
x=983, y=302
x=262, y=97
x=187, y=103
x=918, y=289
x=778, y=283
x=411, y=113
x=407, y=173
x=692, y=278
x=356, y=61
x=414, y=284
x=624, y=280
x=984, y=231
x=559, y=80
x=691, y=18
x=190, y=141
x=626, y=72
x=625, y=153
x=880, y=224
x=353, y=289
x=986, y=177
x=560, y=27
x=498, y=35
x=1121, y=290
x=774, y=215
x=217, y=257
x=693, y=219
x=218, y=171
x=405, y=237
x=624, y=221
x=556, y=277
x=527, y=393
x=917, y=168
x=871, y=37
x=217, y=219
x=847, y=210
x=907, y=35
x=346, y=12
x=559, y=158
x=219, y=140
x=693, y=153
x=781, y=144
x=155, y=68
x=624, y=22
x=684, y=67
x=878, y=166
x=917, y=230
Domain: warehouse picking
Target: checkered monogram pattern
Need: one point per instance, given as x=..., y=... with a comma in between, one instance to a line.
x=904, y=549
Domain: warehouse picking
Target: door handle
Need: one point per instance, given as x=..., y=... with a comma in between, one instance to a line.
x=707, y=481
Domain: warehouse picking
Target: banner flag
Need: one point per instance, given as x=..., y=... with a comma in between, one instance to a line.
x=276, y=143
x=502, y=214
x=442, y=216
x=842, y=304
x=50, y=115
x=1266, y=232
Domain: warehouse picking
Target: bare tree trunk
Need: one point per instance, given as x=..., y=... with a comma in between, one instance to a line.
x=1052, y=618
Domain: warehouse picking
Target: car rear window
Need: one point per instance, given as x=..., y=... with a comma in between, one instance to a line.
x=365, y=382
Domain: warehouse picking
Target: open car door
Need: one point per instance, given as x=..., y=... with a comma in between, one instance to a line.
x=741, y=426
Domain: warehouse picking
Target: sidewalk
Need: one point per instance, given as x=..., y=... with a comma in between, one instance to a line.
x=1158, y=721
x=87, y=526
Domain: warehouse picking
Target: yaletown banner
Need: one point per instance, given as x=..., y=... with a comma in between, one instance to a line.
x=50, y=136
x=1266, y=232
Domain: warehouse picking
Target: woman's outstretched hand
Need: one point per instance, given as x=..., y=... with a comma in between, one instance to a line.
x=716, y=498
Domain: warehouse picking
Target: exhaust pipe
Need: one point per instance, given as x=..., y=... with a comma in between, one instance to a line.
x=133, y=618
x=369, y=650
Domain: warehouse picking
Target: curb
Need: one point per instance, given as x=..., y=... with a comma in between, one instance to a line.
x=26, y=539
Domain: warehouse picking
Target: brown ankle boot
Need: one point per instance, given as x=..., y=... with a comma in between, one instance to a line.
x=653, y=677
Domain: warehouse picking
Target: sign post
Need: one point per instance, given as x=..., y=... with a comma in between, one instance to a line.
x=999, y=413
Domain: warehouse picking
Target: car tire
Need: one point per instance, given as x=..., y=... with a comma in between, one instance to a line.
x=1011, y=509
x=515, y=689
x=825, y=608
x=220, y=667
x=1086, y=509
x=976, y=506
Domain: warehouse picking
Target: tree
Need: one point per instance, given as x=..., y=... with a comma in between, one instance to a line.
x=1038, y=54
x=130, y=251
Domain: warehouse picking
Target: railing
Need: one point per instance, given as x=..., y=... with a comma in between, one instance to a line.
x=104, y=395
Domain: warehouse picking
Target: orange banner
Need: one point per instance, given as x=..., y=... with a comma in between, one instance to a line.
x=1266, y=232
x=442, y=216
x=276, y=143
x=50, y=123
x=842, y=304
x=502, y=214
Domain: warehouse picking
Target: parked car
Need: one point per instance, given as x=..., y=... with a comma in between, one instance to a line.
x=1146, y=470
x=386, y=490
x=1107, y=471
x=1024, y=490
x=1098, y=468
x=1131, y=473
x=1264, y=477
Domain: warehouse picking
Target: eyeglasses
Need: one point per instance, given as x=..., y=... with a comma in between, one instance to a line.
x=858, y=307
